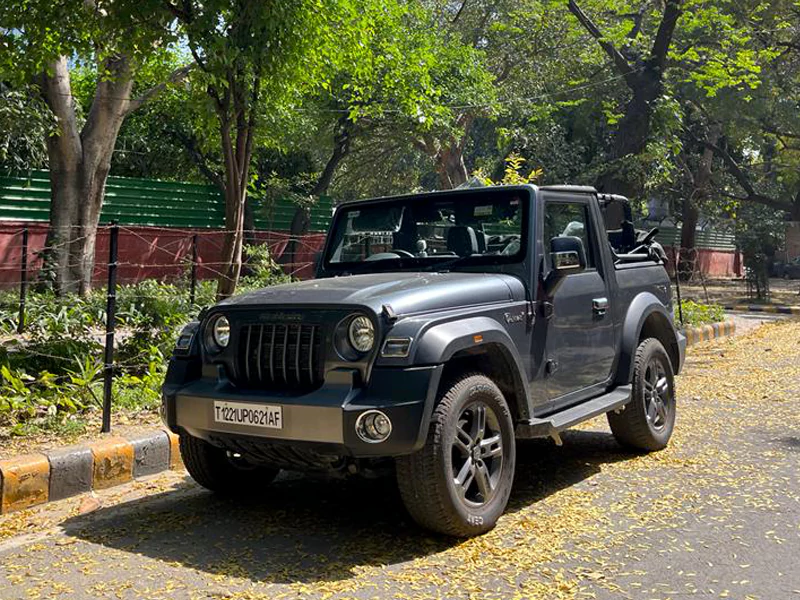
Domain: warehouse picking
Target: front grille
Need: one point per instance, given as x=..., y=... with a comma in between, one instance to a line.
x=279, y=356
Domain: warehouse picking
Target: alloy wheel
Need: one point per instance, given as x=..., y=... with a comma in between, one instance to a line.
x=477, y=453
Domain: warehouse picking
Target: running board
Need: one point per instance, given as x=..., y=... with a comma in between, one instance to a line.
x=552, y=425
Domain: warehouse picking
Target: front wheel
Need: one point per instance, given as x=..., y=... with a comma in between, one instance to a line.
x=459, y=482
x=647, y=421
x=221, y=471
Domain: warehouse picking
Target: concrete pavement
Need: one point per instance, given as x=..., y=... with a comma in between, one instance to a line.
x=715, y=515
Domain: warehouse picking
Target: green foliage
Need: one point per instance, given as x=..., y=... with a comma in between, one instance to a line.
x=513, y=174
x=25, y=123
x=695, y=313
x=262, y=269
x=55, y=370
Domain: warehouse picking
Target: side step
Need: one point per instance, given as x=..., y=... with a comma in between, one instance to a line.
x=552, y=425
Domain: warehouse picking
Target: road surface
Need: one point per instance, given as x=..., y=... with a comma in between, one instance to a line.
x=716, y=515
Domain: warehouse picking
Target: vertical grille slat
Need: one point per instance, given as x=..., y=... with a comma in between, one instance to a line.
x=258, y=353
x=247, y=353
x=311, y=354
x=272, y=355
x=298, y=344
x=285, y=349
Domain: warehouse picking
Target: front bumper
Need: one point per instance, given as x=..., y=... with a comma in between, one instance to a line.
x=324, y=419
x=681, y=351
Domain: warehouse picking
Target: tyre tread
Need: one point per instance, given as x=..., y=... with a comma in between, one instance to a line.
x=630, y=427
x=419, y=474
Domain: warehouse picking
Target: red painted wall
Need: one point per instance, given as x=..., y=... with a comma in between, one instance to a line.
x=719, y=264
x=164, y=253
x=149, y=252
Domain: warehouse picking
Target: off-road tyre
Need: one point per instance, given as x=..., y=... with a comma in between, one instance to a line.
x=641, y=425
x=426, y=478
x=217, y=470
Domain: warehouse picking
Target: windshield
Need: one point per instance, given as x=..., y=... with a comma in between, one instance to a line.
x=430, y=231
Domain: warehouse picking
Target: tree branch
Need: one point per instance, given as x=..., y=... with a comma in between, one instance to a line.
x=637, y=17
x=621, y=63
x=178, y=13
x=176, y=76
x=458, y=14
x=666, y=29
x=192, y=146
x=743, y=180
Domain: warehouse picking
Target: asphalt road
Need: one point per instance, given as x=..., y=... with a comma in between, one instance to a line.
x=715, y=515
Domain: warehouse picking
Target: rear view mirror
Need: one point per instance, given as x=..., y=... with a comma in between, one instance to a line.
x=567, y=255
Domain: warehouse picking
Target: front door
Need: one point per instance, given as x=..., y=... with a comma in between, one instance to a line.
x=579, y=348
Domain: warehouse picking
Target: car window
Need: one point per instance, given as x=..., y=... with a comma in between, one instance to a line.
x=427, y=231
x=568, y=219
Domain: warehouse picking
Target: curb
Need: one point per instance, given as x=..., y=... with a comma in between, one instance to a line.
x=765, y=308
x=704, y=333
x=34, y=479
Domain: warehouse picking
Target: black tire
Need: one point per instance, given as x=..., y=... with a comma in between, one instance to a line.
x=219, y=471
x=647, y=421
x=458, y=446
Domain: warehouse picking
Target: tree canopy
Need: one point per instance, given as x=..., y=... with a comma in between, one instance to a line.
x=693, y=102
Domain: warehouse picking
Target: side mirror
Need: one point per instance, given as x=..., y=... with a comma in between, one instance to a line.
x=568, y=255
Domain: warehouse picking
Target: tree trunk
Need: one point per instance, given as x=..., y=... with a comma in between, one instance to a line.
x=450, y=167
x=301, y=221
x=688, y=254
x=631, y=137
x=233, y=241
x=691, y=213
x=643, y=74
x=80, y=161
x=236, y=110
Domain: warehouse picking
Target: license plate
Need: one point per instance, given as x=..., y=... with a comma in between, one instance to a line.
x=254, y=415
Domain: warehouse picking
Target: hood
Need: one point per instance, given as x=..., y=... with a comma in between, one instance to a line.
x=404, y=292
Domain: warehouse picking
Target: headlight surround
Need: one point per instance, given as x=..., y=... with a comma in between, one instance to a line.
x=361, y=334
x=219, y=332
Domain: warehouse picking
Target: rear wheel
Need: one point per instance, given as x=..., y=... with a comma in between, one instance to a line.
x=647, y=421
x=221, y=471
x=459, y=482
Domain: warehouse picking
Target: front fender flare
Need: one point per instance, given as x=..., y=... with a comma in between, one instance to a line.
x=440, y=343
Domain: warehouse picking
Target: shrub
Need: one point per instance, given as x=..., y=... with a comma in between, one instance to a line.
x=54, y=371
x=695, y=313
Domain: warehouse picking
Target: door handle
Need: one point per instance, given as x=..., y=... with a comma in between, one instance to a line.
x=599, y=306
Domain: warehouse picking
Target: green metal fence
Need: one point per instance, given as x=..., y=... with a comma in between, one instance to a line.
x=149, y=202
x=708, y=239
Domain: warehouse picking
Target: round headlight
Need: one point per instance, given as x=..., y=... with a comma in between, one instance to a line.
x=361, y=334
x=221, y=332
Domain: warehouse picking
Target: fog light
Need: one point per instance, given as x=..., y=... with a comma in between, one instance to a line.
x=373, y=426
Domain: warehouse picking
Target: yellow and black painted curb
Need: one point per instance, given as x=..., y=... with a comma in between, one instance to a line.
x=703, y=333
x=33, y=479
x=765, y=308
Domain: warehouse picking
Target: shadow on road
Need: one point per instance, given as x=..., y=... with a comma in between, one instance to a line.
x=307, y=530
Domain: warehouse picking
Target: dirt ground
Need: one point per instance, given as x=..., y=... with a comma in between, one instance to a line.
x=734, y=291
x=125, y=423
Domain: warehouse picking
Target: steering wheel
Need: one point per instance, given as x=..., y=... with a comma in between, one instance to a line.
x=390, y=255
x=402, y=253
x=511, y=247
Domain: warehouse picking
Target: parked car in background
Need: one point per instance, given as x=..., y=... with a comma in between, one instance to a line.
x=791, y=270
x=786, y=270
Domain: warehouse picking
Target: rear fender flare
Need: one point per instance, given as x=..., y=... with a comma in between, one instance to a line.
x=642, y=307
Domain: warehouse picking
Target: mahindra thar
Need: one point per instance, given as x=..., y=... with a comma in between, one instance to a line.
x=440, y=328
